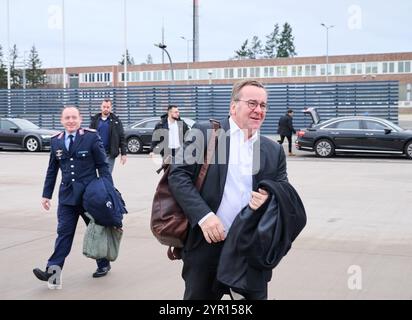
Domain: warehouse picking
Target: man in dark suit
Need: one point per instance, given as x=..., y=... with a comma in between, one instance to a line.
x=243, y=158
x=286, y=129
x=174, y=129
x=78, y=153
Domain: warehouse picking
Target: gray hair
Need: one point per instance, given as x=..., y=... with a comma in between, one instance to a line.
x=238, y=86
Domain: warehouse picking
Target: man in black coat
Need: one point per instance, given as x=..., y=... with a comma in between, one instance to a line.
x=242, y=159
x=110, y=129
x=169, y=132
x=285, y=129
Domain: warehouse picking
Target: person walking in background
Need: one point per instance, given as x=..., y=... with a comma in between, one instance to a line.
x=173, y=138
x=111, y=130
x=285, y=129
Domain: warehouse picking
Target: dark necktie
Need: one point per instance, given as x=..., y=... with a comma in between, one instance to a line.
x=71, y=143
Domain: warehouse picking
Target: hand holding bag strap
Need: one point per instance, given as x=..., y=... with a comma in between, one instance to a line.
x=209, y=155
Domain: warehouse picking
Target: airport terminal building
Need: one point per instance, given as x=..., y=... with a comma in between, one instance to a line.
x=344, y=68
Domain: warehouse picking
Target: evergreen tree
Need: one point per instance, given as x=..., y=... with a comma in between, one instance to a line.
x=15, y=74
x=286, y=46
x=149, y=59
x=130, y=60
x=34, y=73
x=255, y=50
x=272, y=41
x=3, y=71
x=243, y=52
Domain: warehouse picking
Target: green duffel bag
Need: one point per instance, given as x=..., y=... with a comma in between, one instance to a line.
x=101, y=242
x=114, y=236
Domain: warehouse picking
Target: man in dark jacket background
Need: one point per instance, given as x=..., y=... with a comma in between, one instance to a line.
x=110, y=129
x=285, y=129
x=174, y=129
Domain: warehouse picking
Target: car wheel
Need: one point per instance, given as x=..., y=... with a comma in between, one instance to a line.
x=134, y=145
x=324, y=148
x=32, y=144
x=408, y=149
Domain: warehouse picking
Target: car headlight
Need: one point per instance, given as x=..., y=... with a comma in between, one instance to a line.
x=45, y=136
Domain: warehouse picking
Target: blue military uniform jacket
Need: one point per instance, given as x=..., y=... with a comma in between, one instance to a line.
x=78, y=167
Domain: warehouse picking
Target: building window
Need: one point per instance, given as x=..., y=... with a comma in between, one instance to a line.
x=297, y=71
x=107, y=77
x=242, y=72
x=203, y=74
x=310, y=70
x=371, y=68
x=340, y=69
x=180, y=74
x=255, y=72
x=269, y=72
x=404, y=66
x=193, y=74
x=159, y=75
x=356, y=68
x=282, y=71
x=323, y=69
x=228, y=74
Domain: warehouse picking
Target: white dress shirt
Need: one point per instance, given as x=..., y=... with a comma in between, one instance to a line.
x=239, y=180
x=174, y=142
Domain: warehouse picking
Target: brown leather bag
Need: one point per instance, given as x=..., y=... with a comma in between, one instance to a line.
x=168, y=221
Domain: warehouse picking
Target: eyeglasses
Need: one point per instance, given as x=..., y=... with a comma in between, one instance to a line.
x=253, y=104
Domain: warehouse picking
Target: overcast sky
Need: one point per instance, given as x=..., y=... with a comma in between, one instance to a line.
x=94, y=29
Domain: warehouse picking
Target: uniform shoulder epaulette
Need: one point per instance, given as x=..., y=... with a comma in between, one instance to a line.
x=59, y=135
x=82, y=131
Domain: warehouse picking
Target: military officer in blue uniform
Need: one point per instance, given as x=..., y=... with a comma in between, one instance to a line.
x=78, y=153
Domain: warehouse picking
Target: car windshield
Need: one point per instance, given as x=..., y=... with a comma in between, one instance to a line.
x=25, y=124
x=391, y=124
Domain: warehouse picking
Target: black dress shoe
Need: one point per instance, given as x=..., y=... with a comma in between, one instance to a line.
x=101, y=272
x=41, y=275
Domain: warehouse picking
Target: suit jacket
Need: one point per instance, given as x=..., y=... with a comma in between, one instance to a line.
x=285, y=126
x=78, y=167
x=157, y=136
x=258, y=240
x=269, y=162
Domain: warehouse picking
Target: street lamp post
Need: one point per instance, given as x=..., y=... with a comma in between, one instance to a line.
x=187, y=57
x=188, y=47
x=327, y=49
x=8, y=61
x=125, y=42
x=64, y=46
x=8, y=46
x=163, y=47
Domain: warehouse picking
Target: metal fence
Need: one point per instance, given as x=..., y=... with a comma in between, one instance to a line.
x=201, y=102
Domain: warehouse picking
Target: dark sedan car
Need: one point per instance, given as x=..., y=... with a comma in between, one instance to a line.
x=16, y=133
x=355, y=134
x=139, y=134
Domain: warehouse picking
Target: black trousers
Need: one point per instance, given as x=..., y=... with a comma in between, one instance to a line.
x=282, y=138
x=200, y=270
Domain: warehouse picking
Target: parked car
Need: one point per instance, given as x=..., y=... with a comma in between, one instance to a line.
x=21, y=134
x=139, y=134
x=354, y=134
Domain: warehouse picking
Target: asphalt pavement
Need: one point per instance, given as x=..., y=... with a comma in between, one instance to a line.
x=357, y=243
